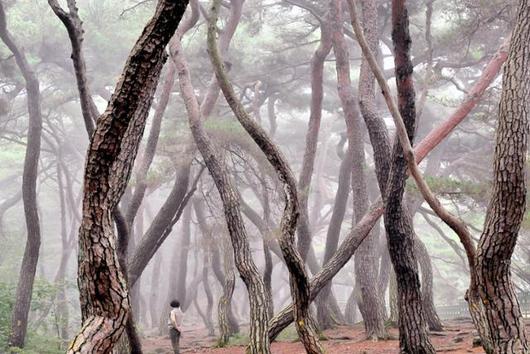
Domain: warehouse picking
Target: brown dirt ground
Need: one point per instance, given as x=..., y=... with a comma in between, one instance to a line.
x=456, y=338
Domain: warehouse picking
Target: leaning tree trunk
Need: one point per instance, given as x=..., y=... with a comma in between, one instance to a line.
x=363, y=227
x=103, y=291
x=493, y=304
x=298, y=279
x=259, y=341
x=19, y=317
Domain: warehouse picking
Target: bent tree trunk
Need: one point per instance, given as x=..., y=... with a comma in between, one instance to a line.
x=493, y=304
x=298, y=279
x=259, y=341
x=19, y=317
x=103, y=291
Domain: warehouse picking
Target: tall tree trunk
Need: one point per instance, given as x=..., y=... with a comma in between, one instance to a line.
x=259, y=341
x=311, y=142
x=298, y=279
x=325, y=319
x=398, y=222
x=19, y=317
x=493, y=304
x=365, y=265
x=103, y=291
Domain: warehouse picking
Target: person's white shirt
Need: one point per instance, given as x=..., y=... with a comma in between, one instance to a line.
x=176, y=317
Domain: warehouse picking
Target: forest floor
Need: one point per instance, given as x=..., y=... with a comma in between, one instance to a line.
x=456, y=338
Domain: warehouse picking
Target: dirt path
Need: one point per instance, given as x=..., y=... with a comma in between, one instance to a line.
x=457, y=338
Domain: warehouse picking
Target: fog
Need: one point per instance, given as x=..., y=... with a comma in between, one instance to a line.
x=146, y=210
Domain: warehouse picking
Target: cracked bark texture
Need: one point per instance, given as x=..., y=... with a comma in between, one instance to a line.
x=103, y=290
x=19, y=316
x=413, y=336
x=494, y=304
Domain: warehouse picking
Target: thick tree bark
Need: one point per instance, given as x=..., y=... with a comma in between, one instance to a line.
x=398, y=222
x=259, y=341
x=297, y=274
x=103, y=290
x=493, y=305
x=19, y=317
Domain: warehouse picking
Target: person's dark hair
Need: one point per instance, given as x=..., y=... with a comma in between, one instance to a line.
x=174, y=303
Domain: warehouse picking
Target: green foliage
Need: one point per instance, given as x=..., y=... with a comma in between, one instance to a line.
x=452, y=188
x=42, y=342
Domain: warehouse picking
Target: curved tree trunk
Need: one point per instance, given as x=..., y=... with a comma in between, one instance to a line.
x=259, y=341
x=103, y=290
x=297, y=274
x=19, y=317
x=493, y=304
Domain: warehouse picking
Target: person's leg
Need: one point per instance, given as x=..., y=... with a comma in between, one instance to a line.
x=177, y=346
x=174, y=336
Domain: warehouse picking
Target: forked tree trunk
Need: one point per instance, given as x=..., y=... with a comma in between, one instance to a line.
x=259, y=341
x=19, y=316
x=103, y=291
x=493, y=304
